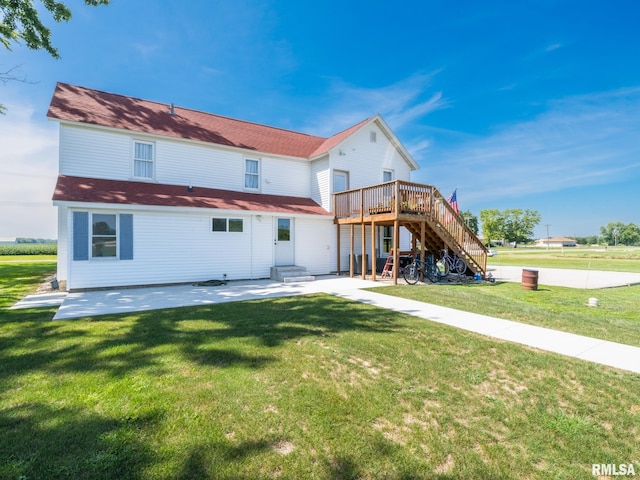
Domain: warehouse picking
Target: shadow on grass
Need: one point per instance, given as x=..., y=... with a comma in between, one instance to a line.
x=214, y=335
x=39, y=441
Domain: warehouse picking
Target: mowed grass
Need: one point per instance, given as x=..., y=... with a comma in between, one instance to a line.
x=616, y=259
x=301, y=387
x=617, y=318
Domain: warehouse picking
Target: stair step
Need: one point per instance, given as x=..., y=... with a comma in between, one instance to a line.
x=290, y=274
x=306, y=278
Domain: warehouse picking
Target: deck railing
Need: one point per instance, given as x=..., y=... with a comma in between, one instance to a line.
x=406, y=198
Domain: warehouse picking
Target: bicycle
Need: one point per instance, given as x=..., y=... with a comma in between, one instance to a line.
x=412, y=270
x=449, y=263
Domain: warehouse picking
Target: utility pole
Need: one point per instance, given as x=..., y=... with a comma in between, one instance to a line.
x=548, y=239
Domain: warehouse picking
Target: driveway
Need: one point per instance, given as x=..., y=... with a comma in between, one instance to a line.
x=559, y=277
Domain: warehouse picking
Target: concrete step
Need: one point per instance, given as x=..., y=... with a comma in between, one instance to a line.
x=306, y=278
x=290, y=274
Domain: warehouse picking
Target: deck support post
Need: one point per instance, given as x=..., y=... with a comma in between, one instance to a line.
x=363, y=266
x=396, y=251
x=338, y=248
x=351, y=251
x=423, y=234
x=373, y=251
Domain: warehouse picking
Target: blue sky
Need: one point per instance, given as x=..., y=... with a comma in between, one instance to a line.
x=532, y=105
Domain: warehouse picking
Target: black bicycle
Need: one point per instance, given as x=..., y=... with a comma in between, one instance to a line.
x=415, y=267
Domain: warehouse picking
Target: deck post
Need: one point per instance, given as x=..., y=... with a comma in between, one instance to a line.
x=422, y=249
x=373, y=250
x=396, y=251
x=351, y=251
x=363, y=266
x=338, y=247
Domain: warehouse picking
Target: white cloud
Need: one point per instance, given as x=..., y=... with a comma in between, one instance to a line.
x=28, y=169
x=399, y=104
x=579, y=141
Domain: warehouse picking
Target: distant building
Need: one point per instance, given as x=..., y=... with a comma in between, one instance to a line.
x=556, y=242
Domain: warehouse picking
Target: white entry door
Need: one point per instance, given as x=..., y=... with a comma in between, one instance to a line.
x=283, y=241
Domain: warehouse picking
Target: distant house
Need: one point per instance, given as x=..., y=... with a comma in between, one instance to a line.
x=556, y=242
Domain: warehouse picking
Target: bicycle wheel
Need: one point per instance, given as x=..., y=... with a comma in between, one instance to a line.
x=443, y=267
x=411, y=273
x=460, y=265
x=431, y=271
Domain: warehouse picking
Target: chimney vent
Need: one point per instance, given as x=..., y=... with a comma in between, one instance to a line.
x=171, y=110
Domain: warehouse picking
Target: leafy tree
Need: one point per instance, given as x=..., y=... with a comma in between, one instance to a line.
x=20, y=23
x=519, y=224
x=512, y=225
x=630, y=234
x=492, y=225
x=618, y=232
x=588, y=240
x=611, y=232
x=471, y=220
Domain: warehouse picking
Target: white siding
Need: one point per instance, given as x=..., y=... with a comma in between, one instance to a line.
x=200, y=165
x=365, y=161
x=171, y=248
x=286, y=177
x=63, y=244
x=320, y=186
x=87, y=152
x=315, y=245
x=175, y=247
x=261, y=259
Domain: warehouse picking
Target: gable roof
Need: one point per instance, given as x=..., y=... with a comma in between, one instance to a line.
x=72, y=103
x=95, y=190
x=79, y=104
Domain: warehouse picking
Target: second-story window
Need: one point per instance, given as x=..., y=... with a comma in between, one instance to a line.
x=251, y=174
x=387, y=175
x=143, y=160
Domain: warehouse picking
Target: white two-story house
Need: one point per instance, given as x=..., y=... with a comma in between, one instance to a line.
x=149, y=193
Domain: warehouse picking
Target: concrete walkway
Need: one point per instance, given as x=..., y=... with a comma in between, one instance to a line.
x=558, y=277
x=87, y=304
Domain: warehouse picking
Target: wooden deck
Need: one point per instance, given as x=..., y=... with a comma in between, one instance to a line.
x=421, y=209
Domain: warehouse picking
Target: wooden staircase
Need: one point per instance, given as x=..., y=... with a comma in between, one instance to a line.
x=418, y=208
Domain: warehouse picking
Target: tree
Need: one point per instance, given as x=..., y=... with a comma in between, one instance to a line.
x=20, y=23
x=618, y=232
x=512, y=225
x=519, y=225
x=492, y=225
x=471, y=220
x=611, y=232
x=630, y=234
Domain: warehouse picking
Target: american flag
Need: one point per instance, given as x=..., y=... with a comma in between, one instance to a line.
x=453, y=200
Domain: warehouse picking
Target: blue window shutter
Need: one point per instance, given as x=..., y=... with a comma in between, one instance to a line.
x=126, y=236
x=81, y=235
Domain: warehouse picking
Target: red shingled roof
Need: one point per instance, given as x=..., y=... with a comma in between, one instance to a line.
x=80, y=104
x=93, y=190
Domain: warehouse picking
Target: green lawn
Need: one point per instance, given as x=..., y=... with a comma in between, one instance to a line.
x=617, y=259
x=617, y=318
x=302, y=387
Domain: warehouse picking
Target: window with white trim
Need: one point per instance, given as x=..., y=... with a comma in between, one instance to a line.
x=143, y=159
x=104, y=235
x=373, y=136
x=387, y=175
x=251, y=174
x=99, y=235
x=233, y=225
x=340, y=181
